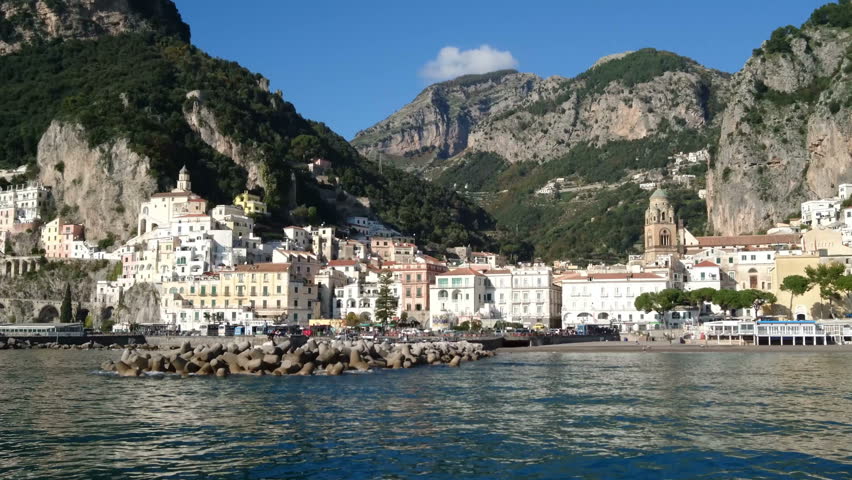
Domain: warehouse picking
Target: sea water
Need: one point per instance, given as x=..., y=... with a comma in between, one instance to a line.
x=518, y=415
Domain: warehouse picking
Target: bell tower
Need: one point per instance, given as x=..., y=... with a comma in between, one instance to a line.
x=183, y=184
x=661, y=232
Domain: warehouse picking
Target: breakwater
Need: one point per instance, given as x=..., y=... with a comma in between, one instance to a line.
x=332, y=357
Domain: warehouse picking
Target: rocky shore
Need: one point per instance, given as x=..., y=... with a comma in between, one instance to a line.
x=332, y=357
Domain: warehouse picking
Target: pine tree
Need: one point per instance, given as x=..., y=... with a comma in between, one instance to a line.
x=65, y=310
x=386, y=302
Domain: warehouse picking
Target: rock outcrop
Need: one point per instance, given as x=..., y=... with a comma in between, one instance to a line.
x=523, y=117
x=785, y=136
x=102, y=186
x=24, y=22
x=203, y=122
x=437, y=123
x=139, y=304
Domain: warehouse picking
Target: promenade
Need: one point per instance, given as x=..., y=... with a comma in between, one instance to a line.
x=665, y=347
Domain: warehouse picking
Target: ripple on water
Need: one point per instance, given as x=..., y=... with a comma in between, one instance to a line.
x=534, y=416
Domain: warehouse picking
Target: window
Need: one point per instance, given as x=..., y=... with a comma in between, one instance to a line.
x=419, y=292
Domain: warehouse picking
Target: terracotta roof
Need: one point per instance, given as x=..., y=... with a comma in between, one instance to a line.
x=342, y=263
x=431, y=259
x=172, y=194
x=297, y=252
x=614, y=276
x=263, y=267
x=706, y=263
x=460, y=271
x=749, y=240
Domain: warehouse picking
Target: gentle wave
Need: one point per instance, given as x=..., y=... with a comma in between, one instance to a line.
x=518, y=415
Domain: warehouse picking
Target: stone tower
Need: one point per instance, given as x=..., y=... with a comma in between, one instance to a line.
x=183, y=184
x=661, y=234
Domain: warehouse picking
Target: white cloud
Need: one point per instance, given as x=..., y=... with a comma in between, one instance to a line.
x=452, y=62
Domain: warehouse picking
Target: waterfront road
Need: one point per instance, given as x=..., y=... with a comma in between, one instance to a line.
x=662, y=346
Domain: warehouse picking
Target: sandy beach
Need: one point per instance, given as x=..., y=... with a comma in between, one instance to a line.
x=665, y=347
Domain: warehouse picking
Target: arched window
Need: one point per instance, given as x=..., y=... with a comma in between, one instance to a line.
x=340, y=304
x=456, y=295
x=442, y=294
x=665, y=238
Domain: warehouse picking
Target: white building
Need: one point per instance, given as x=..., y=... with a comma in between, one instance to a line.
x=608, y=299
x=360, y=296
x=23, y=202
x=296, y=238
x=457, y=296
x=535, y=299
x=820, y=212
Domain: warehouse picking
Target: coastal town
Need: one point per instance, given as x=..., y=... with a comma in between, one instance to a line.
x=210, y=269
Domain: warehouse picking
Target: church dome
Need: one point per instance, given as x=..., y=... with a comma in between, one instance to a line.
x=659, y=193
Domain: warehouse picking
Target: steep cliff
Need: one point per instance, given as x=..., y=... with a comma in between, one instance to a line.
x=23, y=22
x=785, y=136
x=436, y=124
x=522, y=117
x=102, y=187
x=203, y=122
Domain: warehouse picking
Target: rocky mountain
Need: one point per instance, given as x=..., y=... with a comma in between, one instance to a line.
x=591, y=134
x=523, y=117
x=438, y=122
x=549, y=162
x=105, y=100
x=785, y=136
x=29, y=21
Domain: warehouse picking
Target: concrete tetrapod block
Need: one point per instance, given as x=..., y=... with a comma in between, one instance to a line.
x=456, y=361
x=308, y=369
x=126, y=370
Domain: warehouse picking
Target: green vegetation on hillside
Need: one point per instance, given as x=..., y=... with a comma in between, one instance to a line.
x=135, y=86
x=634, y=68
x=476, y=170
x=638, y=67
x=474, y=79
x=837, y=15
x=603, y=226
x=600, y=219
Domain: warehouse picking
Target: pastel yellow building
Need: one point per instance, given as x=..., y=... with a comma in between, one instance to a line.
x=51, y=241
x=251, y=204
x=808, y=306
x=268, y=289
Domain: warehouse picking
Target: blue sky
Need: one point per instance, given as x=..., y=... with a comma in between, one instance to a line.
x=351, y=64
